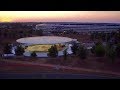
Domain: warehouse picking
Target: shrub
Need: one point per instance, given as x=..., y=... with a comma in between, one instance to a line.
x=33, y=54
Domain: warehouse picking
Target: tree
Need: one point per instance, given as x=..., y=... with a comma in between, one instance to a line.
x=53, y=52
x=65, y=54
x=118, y=50
x=99, y=36
x=33, y=54
x=98, y=43
x=92, y=36
x=39, y=32
x=7, y=49
x=82, y=52
x=93, y=50
x=108, y=36
x=99, y=50
x=110, y=53
x=74, y=48
x=19, y=51
x=103, y=36
x=0, y=56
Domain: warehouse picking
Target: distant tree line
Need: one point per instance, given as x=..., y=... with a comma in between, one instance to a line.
x=113, y=36
x=19, y=33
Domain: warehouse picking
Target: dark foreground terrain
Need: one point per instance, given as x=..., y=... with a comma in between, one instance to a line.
x=29, y=71
x=52, y=76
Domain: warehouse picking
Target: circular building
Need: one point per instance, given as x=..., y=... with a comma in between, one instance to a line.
x=41, y=44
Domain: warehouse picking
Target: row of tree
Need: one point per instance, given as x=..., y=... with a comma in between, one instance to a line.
x=112, y=51
x=8, y=50
x=77, y=50
x=18, y=51
x=19, y=33
x=106, y=37
x=52, y=52
x=99, y=50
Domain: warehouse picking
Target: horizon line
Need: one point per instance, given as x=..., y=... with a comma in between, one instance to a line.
x=58, y=22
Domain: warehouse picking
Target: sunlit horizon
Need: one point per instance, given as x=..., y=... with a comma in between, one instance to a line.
x=60, y=16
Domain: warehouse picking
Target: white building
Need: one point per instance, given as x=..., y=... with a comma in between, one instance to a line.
x=40, y=45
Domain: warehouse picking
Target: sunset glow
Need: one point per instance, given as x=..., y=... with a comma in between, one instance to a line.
x=60, y=16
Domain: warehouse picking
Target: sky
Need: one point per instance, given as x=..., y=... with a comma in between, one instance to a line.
x=60, y=16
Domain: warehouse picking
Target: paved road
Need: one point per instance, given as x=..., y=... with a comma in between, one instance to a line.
x=52, y=76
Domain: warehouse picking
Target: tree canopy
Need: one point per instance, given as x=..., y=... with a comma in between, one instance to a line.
x=7, y=49
x=82, y=52
x=19, y=50
x=53, y=52
x=99, y=50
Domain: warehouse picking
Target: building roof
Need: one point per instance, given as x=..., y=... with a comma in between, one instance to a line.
x=44, y=40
